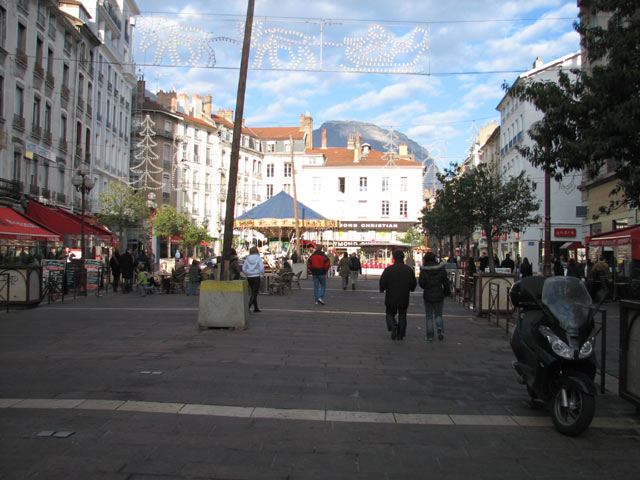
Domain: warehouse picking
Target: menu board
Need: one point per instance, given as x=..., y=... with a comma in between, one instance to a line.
x=53, y=267
x=94, y=273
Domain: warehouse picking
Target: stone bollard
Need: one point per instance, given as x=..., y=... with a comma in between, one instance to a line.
x=223, y=304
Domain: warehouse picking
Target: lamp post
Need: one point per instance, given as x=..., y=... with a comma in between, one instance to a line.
x=83, y=184
x=152, y=208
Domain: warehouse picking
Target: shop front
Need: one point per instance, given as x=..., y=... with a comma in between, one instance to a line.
x=621, y=249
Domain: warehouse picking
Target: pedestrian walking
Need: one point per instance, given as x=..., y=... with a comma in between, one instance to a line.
x=508, y=263
x=114, y=264
x=526, y=269
x=356, y=268
x=194, y=277
x=435, y=284
x=126, y=268
x=253, y=268
x=318, y=265
x=344, y=269
x=558, y=269
x=397, y=282
x=572, y=269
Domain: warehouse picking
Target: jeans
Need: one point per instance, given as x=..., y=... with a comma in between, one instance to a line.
x=402, y=319
x=144, y=289
x=345, y=281
x=354, y=278
x=434, y=309
x=192, y=289
x=254, y=289
x=319, y=286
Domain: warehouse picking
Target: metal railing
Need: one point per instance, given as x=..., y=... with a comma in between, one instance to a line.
x=5, y=289
x=495, y=306
x=629, y=350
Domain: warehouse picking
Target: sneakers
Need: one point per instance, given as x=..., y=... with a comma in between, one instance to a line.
x=317, y=302
x=320, y=301
x=428, y=338
x=440, y=334
x=394, y=332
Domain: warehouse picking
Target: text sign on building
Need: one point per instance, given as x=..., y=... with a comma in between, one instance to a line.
x=387, y=226
x=564, y=232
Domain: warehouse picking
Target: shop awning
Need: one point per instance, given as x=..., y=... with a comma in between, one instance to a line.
x=14, y=226
x=571, y=245
x=66, y=223
x=614, y=238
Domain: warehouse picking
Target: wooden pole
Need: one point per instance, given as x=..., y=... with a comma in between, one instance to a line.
x=295, y=199
x=235, y=144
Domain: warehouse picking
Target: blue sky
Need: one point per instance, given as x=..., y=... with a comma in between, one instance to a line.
x=438, y=99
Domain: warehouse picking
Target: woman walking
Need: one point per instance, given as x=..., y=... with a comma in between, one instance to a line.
x=253, y=268
x=433, y=280
x=344, y=269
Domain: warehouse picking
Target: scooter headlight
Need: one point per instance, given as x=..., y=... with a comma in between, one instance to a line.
x=587, y=349
x=558, y=346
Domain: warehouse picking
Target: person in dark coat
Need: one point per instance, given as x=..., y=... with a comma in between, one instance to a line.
x=114, y=264
x=194, y=277
x=558, y=269
x=508, y=263
x=126, y=268
x=433, y=280
x=344, y=270
x=397, y=282
x=526, y=269
x=572, y=269
x=356, y=268
x=484, y=262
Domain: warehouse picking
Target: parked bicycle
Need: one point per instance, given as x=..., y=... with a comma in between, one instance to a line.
x=53, y=287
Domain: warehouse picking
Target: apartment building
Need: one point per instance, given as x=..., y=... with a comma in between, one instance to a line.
x=567, y=209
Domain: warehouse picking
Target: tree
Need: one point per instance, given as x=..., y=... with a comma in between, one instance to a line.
x=122, y=208
x=169, y=223
x=195, y=234
x=413, y=237
x=592, y=118
x=499, y=205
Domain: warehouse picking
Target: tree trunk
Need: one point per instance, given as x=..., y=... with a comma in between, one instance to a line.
x=492, y=267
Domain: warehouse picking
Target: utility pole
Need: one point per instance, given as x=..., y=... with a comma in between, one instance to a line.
x=295, y=199
x=235, y=145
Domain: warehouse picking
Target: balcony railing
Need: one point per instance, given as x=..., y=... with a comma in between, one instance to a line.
x=45, y=193
x=50, y=80
x=21, y=58
x=38, y=71
x=64, y=92
x=34, y=190
x=18, y=122
x=47, y=138
x=62, y=145
x=10, y=188
x=61, y=197
x=36, y=131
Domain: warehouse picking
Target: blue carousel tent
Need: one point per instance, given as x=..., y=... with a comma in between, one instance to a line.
x=278, y=212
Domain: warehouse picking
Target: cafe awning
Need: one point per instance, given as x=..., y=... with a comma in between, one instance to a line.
x=614, y=238
x=14, y=226
x=66, y=223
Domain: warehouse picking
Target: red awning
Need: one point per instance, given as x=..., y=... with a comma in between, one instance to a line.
x=66, y=223
x=14, y=226
x=623, y=236
x=571, y=245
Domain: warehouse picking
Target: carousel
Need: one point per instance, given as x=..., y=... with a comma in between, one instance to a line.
x=276, y=220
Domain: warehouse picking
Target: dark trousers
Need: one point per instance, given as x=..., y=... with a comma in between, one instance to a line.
x=402, y=319
x=116, y=282
x=254, y=288
x=126, y=284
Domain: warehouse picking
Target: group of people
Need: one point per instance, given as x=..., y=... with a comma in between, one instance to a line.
x=128, y=265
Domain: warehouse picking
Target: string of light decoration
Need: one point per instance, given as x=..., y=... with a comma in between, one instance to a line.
x=146, y=169
x=390, y=151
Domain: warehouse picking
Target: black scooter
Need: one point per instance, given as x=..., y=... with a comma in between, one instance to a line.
x=554, y=342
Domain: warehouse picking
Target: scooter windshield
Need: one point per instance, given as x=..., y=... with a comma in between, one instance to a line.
x=569, y=301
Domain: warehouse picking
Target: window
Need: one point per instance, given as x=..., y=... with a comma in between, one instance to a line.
x=287, y=169
x=196, y=153
x=403, y=184
x=385, y=208
x=341, y=184
x=63, y=127
x=271, y=147
x=50, y=58
x=19, y=102
x=317, y=185
x=1, y=96
x=269, y=190
x=39, y=52
x=65, y=75
x=21, y=43
x=363, y=184
x=47, y=118
x=403, y=208
x=3, y=27
x=287, y=188
x=385, y=184
x=99, y=102
x=270, y=170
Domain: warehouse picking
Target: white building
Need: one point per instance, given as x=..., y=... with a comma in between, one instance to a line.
x=567, y=208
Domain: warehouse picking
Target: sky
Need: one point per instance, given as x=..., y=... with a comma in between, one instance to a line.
x=434, y=70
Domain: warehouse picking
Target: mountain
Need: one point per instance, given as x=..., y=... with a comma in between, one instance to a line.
x=338, y=132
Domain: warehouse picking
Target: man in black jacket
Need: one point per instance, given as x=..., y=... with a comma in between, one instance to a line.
x=435, y=283
x=397, y=281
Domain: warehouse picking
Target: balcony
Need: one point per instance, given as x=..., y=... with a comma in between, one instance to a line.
x=64, y=92
x=80, y=104
x=61, y=197
x=165, y=133
x=38, y=71
x=45, y=193
x=18, y=122
x=34, y=191
x=10, y=188
x=50, y=81
x=109, y=86
x=89, y=110
x=36, y=131
x=22, y=60
x=47, y=138
x=62, y=145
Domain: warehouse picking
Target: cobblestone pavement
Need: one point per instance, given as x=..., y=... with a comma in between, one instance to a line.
x=124, y=387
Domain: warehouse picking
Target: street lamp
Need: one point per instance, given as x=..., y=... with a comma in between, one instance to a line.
x=83, y=184
x=152, y=208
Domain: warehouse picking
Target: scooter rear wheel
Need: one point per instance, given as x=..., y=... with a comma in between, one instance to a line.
x=574, y=418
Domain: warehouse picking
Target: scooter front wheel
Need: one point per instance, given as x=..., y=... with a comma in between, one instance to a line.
x=572, y=410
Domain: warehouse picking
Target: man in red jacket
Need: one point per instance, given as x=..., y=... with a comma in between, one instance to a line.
x=318, y=266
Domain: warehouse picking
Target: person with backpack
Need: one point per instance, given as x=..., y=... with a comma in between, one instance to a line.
x=435, y=284
x=356, y=268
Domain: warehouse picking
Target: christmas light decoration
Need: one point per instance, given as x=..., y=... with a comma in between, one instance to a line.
x=146, y=169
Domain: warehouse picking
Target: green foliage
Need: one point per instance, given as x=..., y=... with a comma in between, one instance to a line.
x=592, y=119
x=122, y=207
x=194, y=234
x=413, y=237
x=168, y=222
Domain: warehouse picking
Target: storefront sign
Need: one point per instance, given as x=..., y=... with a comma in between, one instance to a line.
x=38, y=150
x=564, y=232
x=378, y=226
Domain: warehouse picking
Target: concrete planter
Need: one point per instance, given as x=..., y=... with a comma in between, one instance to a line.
x=223, y=304
x=300, y=267
x=25, y=286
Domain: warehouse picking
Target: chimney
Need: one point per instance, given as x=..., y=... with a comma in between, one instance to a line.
x=167, y=99
x=207, y=106
x=306, y=126
x=184, y=104
x=538, y=62
x=403, y=150
x=227, y=114
x=350, y=142
x=358, y=150
x=324, y=138
x=366, y=148
x=198, y=107
x=140, y=91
